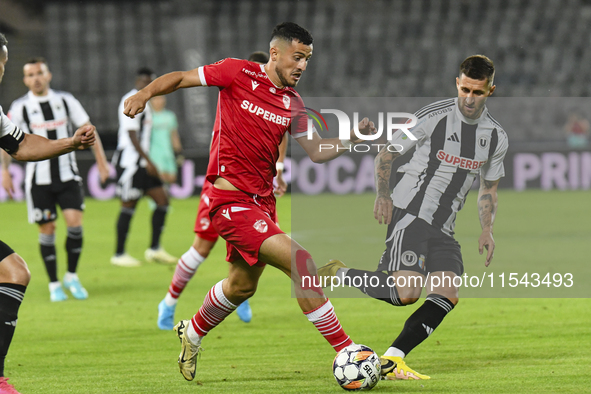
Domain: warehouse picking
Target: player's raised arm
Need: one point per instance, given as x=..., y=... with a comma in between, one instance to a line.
x=487, y=208
x=383, y=168
x=36, y=148
x=165, y=84
x=322, y=150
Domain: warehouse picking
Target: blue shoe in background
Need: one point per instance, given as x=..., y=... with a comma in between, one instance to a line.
x=244, y=312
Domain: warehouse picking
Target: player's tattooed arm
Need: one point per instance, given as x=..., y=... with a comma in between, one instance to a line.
x=383, y=169
x=487, y=207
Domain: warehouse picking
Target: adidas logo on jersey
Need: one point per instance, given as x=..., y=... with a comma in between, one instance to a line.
x=454, y=138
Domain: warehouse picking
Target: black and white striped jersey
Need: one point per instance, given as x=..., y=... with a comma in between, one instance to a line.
x=53, y=116
x=450, y=151
x=127, y=156
x=10, y=135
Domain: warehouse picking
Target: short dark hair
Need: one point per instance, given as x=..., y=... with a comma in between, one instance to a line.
x=290, y=31
x=478, y=67
x=144, y=71
x=35, y=60
x=3, y=40
x=259, y=57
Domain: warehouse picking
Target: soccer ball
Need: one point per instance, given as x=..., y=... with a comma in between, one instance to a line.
x=356, y=368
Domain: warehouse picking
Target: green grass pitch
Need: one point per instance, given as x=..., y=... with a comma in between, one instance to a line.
x=110, y=342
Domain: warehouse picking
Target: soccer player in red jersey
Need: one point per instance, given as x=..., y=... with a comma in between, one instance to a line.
x=206, y=238
x=255, y=109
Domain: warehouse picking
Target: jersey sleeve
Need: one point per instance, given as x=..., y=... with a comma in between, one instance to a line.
x=298, y=126
x=494, y=169
x=221, y=73
x=10, y=135
x=75, y=110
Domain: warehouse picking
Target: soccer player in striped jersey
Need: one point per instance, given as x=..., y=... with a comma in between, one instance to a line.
x=257, y=105
x=206, y=238
x=14, y=274
x=137, y=175
x=457, y=139
x=53, y=114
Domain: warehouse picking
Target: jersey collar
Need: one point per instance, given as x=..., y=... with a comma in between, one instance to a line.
x=41, y=99
x=269, y=78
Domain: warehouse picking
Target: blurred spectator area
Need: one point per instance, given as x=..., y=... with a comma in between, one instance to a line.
x=401, y=48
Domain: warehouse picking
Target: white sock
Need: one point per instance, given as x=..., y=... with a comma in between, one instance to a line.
x=170, y=300
x=192, y=335
x=70, y=276
x=394, y=352
x=54, y=285
x=341, y=272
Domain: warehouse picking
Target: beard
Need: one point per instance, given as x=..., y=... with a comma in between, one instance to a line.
x=284, y=80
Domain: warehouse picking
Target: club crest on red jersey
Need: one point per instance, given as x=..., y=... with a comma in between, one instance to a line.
x=286, y=101
x=261, y=226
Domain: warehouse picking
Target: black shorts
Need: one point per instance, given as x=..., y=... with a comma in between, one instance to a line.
x=132, y=183
x=42, y=200
x=5, y=251
x=412, y=244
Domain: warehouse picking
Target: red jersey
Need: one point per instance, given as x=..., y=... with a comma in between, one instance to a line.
x=252, y=116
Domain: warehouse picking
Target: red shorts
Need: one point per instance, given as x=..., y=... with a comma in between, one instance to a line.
x=244, y=220
x=203, y=227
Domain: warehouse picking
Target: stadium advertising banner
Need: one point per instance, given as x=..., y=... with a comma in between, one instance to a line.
x=353, y=173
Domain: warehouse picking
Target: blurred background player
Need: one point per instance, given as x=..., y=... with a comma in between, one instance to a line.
x=14, y=273
x=53, y=114
x=206, y=238
x=136, y=175
x=457, y=139
x=165, y=144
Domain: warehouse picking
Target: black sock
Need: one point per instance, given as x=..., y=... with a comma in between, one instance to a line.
x=423, y=322
x=158, y=218
x=374, y=284
x=47, y=247
x=11, y=296
x=123, y=228
x=74, y=247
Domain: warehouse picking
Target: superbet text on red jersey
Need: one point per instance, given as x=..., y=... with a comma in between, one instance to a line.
x=252, y=116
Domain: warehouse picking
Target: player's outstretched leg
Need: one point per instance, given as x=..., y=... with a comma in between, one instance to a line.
x=383, y=291
x=185, y=269
x=284, y=253
x=14, y=278
x=440, y=300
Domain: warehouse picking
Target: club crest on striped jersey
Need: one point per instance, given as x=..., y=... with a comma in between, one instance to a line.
x=261, y=226
x=286, y=101
x=483, y=141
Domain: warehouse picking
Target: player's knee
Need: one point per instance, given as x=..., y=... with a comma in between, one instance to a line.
x=15, y=270
x=408, y=300
x=47, y=228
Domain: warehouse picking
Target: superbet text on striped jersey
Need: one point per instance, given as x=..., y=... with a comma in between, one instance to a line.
x=450, y=151
x=10, y=135
x=51, y=116
x=252, y=116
